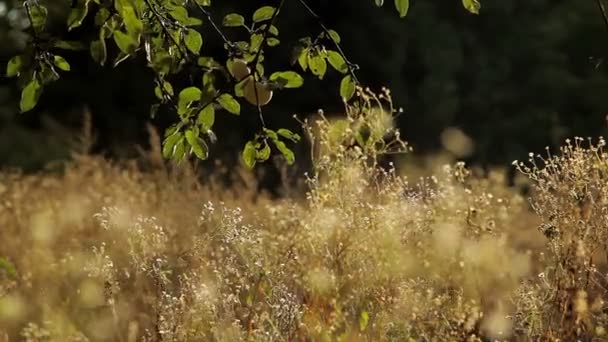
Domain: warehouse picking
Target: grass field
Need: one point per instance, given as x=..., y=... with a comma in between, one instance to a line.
x=102, y=251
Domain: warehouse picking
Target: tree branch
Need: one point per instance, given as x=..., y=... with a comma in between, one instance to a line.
x=159, y=17
x=216, y=28
x=603, y=11
x=351, y=66
x=257, y=56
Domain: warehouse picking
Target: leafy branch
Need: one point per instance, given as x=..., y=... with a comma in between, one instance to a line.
x=162, y=21
x=257, y=57
x=351, y=66
x=162, y=25
x=230, y=44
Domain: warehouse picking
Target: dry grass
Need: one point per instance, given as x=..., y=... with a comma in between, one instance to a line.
x=107, y=252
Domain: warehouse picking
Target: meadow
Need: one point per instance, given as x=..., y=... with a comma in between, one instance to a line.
x=361, y=250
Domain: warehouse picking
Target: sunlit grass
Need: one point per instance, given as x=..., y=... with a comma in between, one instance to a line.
x=108, y=252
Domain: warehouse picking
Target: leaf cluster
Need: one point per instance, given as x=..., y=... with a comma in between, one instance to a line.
x=168, y=33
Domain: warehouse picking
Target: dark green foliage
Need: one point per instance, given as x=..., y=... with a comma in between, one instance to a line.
x=168, y=34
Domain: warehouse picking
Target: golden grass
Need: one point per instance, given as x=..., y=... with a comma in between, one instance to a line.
x=109, y=252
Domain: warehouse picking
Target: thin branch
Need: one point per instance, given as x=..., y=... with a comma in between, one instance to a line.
x=159, y=17
x=227, y=41
x=28, y=10
x=35, y=37
x=351, y=66
x=165, y=93
x=41, y=53
x=602, y=8
x=257, y=56
x=267, y=30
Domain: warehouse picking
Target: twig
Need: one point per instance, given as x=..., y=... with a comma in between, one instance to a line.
x=227, y=41
x=28, y=10
x=161, y=20
x=257, y=56
x=351, y=66
x=603, y=11
x=41, y=53
x=267, y=30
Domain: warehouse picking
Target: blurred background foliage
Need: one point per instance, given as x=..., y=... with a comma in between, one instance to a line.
x=520, y=76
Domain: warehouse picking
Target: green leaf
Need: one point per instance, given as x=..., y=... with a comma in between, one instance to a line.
x=249, y=154
x=263, y=153
x=303, y=59
x=47, y=74
x=472, y=6
x=38, y=15
x=13, y=67
x=173, y=129
x=208, y=62
x=263, y=13
x=206, y=117
x=180, y=14
x=285, y=151
x=287, y=79
x=379, y=3
x=256, y=42
x=271, y=134
x=167, y=87
x=102, y=16
x=193, y=41
x=260, y=69
x=239, y=87
x=98, y=51
x=334, y=36
x=187, y=96
x=273, y=30
x=229, y=103
x=198, y=145
x=402, y=7
x=77, y=14
x=162, y=62
x=61, y=63
x=125, y=42
x=233, y=20
x=180, y=150
x=287, y=134
x=337, y=62
x=69, y=45
x=30, y=95
x=106, y=31
x=347, y=88
x=208, y=87
x=132, y=22
x=169, y=144
x=273, y=41
x=317, y=65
